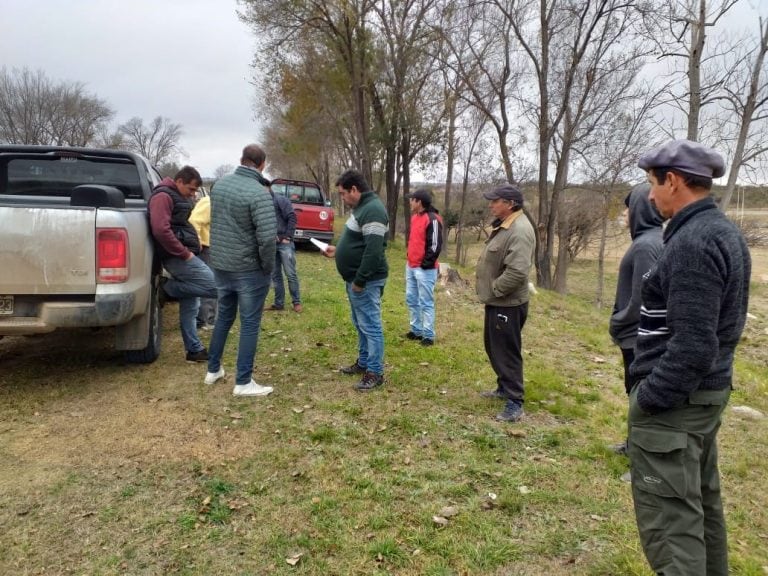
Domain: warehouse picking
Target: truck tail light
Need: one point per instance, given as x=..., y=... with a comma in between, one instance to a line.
x=111, y=255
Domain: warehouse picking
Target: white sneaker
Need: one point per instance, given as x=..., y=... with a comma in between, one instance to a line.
x=213, y=377
x=252, y=389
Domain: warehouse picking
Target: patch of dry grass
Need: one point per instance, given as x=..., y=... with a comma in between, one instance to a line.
x=118, y=469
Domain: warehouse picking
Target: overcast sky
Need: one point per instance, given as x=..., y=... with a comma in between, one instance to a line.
x=188, y=60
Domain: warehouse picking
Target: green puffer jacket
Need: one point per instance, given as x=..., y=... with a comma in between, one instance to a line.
x=243, y=223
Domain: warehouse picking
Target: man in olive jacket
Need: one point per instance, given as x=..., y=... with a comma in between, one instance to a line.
x=243, y=232
x=502, y=285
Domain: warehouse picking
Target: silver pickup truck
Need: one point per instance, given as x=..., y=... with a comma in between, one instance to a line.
x=75, y=245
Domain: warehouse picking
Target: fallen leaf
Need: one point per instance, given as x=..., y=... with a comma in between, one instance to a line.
x=597, y=518
x=598, y=360
x=298, y=410
x=492, y=496
x=207, y=501
x=236, y=416
x=524, y=490
x=423, y=363
x=516, y=433
x=449, y=511
x=293, y=560
x=440, y=521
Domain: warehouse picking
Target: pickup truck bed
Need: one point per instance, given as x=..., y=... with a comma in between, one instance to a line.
x=75, y=246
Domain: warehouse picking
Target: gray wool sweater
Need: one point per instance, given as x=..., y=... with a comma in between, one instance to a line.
x=243, y=223
x=694, y=306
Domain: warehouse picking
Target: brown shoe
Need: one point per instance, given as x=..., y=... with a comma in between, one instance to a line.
x=297, y=308
x=274, y=308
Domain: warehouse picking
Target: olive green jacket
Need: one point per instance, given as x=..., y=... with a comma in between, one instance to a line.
x=504, y=265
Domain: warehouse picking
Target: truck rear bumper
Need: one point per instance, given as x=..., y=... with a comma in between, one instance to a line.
x=305, y=235
x=107, y=310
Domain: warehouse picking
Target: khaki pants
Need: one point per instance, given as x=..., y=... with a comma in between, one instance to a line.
x=676, y=485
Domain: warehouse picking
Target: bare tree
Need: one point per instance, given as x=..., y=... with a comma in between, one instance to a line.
x=37, y=110
x=158, y=142
x=746, y=96
x=222, y=170
x=680, y=28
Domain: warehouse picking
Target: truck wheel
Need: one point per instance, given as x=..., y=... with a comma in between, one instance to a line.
x=152, y=350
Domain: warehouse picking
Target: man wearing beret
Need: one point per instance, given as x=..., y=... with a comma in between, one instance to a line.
x=502, y=285
x=424, y=244
x=694, y=305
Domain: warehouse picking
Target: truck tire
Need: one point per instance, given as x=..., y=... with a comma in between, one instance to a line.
x=151, y=352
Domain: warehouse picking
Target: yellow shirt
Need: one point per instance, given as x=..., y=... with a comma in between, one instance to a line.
x=200, y=218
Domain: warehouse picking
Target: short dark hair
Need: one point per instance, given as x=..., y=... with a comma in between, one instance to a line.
x=188, y=174
x=255, y=154
x=691, y=180
x=352, y=178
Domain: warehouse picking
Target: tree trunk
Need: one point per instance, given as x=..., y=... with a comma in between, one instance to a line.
x=694, y=71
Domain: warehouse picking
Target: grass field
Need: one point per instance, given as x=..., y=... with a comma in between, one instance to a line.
x=111, y=468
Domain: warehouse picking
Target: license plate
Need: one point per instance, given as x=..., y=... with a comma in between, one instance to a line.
x=298, y=234
x=6, y=305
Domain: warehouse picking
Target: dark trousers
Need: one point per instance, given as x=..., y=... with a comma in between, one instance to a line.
x=628, y=356
x=503, y=345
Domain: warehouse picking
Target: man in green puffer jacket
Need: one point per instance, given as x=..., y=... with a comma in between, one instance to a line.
x=243, y=232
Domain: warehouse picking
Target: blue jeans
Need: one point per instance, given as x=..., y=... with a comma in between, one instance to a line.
x=366, y=317
x=190, y=280
x=420, y=299
x=248, y=290
x=285, y=259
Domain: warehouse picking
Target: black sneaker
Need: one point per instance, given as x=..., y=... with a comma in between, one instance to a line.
x=513, y=412
x=353, y=369
x=199, y=356
x=411, y=335
x=369, y=382
x=493, y=394
x=427, y=342
x=274, y=308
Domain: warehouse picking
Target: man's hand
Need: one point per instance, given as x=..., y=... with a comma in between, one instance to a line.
x=189, y=257
x=329, y=252
x=356, y=288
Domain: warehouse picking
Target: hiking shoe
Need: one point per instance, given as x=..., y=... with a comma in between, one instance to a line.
x=353, y=369
x=297, y=308
x=411, y=335
x=513, y=412
x=427, y=342
x=274, y=308
x=213, y=377
x=251, y=389
x=493, y=394
x=369, y=382
x=199, y=356
x=619, y=448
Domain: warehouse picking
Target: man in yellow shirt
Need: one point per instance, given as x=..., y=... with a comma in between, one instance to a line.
x=200, y=218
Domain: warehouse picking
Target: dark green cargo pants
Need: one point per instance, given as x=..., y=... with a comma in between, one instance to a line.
x=676, y=485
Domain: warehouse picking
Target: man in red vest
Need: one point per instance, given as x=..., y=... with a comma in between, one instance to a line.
x=424, y=244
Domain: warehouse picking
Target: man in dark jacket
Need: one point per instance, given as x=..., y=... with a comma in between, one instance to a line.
x=243, y=230
x=285, y=257
x=425, y=242
x=645, y=228
x=362, y=262
x=178, y=246
x=694, y=306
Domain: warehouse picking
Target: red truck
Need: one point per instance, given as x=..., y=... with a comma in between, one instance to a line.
x=314, y=214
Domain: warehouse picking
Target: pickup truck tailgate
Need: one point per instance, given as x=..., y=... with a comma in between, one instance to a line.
x=62, y=262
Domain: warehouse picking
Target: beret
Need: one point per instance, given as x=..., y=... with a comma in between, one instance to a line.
x=505, y=192
x=687, y=156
